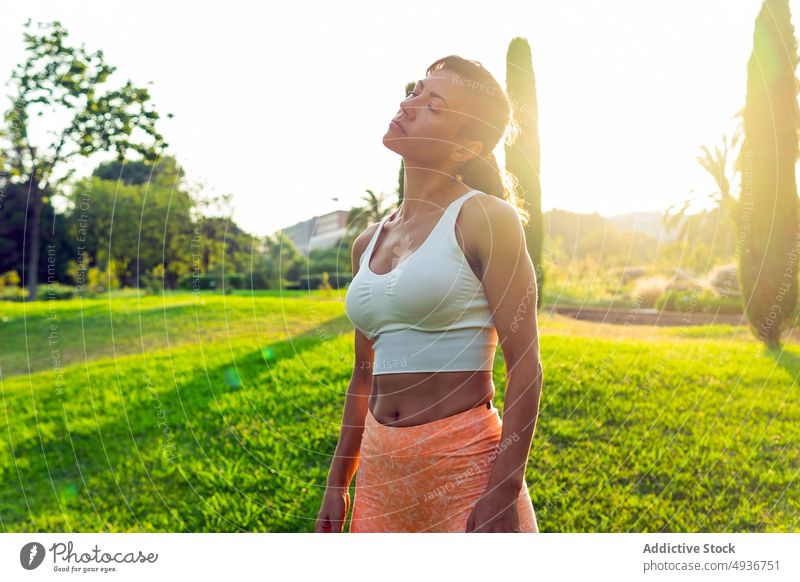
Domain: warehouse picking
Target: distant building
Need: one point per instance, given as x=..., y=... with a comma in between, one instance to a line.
x=320, y=232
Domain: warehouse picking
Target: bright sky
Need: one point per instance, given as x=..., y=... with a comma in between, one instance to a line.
x=285, y=108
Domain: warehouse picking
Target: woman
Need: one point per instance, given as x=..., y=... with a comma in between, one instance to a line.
x=435, y=286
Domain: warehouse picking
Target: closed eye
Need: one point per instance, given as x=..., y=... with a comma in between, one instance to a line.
x=412, y=94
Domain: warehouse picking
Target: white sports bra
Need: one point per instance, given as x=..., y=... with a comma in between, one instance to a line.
x=429, y=313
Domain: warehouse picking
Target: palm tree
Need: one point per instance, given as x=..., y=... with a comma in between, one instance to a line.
x=360, y=217
x=722, y=215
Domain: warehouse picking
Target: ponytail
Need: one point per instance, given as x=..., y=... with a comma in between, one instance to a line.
x=484, y=173
x=489, y=125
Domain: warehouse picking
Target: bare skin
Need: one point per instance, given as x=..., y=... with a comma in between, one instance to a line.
x=490, y=234
x=420, y=397
x=430, y=119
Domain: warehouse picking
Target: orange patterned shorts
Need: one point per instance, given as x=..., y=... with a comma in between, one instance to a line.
x=428, y=477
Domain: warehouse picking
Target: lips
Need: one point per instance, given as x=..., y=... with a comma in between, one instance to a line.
x=400, y=126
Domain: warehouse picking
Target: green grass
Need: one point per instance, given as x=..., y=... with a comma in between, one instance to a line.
x=42, y=334
x=710, y=331
x=227, y=420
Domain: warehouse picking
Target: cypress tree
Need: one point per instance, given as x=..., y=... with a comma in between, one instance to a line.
x=768, y=226
x=401, y=186
x=522, y=156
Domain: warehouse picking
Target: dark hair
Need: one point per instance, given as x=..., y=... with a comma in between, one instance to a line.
x=491, y=122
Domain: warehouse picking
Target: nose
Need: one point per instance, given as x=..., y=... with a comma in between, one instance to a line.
x=407, y=108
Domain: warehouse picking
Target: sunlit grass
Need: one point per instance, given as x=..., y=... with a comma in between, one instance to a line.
x=228, y=418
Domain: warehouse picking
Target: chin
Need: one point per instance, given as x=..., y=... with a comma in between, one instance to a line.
x=392, y=143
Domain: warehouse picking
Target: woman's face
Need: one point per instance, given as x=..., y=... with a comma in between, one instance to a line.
x=427, y=129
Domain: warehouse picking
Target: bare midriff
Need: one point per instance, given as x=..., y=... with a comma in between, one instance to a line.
x=413, y=398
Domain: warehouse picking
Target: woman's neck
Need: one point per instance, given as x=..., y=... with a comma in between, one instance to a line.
x=426, y=192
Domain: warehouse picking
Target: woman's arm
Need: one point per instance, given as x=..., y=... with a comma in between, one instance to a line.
x=509, y=281
x=345, y=459
x=346, y=456
x=336, y=501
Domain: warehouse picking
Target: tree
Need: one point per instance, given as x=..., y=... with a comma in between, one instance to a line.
x=768, y=227
x=360, y=217
x=280, y=259
x=137, y=226
x=65, y=81
x=139, y=171
x=401, y=178
x=53, y=236
x=720, y=219
x=223, y=246
x=523, y=155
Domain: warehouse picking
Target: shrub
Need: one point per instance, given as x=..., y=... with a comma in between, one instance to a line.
x=698, y=302
x=153, y=284
x=326, y=282
x=627, y=274
x=334, y=280
x=153, y=281
x=256, y=280
x=649, y=289
x=55, y=291
x=95, y=281
x=13, y=294
x=10, y=278
x=724, y=279
x=229, y=281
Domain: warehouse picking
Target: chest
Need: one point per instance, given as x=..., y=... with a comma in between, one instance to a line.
x=393, y=248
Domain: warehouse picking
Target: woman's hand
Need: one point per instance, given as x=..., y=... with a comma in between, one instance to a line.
x=494, y=513
x=332, y=514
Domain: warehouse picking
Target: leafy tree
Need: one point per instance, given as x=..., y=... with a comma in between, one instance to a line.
x=768, y=206
x=223, y=247
x=334, y=259
x=66, y=81
x=138, y=227
x=139, y=171
x=54, y=237
x=280, y=259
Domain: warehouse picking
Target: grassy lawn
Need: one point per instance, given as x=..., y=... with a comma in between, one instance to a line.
x=41, y=333
x=220, y=413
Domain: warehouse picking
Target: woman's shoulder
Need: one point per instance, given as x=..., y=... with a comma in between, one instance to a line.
x=486, y=222
x=486, y=211
x=488, y=201
x=360, y=244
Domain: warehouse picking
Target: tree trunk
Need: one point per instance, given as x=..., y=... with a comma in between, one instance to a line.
x=34, y=239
